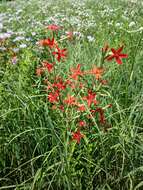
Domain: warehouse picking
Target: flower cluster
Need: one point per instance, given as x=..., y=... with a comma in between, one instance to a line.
x=77, y=95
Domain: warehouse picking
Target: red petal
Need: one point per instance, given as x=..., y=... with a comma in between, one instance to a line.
x=118, y=60
x=120, y=49
x=78, y=66
x=113, y=50
x=123, y=55
x=63, y=50
x=59, y=58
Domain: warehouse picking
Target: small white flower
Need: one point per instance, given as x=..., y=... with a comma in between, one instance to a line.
x=131, y=24
x=23, y=46
x=18, y=38
x=1, y=26
x=21, y=32
x=90, y=38
x=10, y=32
x=2, y=48
x=5, y=35
x=33, y=33
x=78, y=34
x=110, y=23
x=15, y=50
x=118, y=24
x=141, y=28
x=125, y=17
x=28, y=39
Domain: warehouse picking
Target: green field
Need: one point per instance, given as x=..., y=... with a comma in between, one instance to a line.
x=71, y=95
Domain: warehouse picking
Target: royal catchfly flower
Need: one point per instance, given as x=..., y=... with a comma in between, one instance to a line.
x=53, y=27
x=39, y=71
x=53, y=96
x=117, y=55
x=90, y=98
x=48, y=66
x=60, y=53
x=81, y=123
x=81, y=107
x=77, y=136
x=97, y=71
x=51, y=43
x=60, y=85
x=70, y=100
x=76, y=72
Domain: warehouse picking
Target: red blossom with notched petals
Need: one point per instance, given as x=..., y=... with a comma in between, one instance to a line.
x=97, y=71
x=39, y=71
x=53, y=97
x=48, y=66
x=70, y=100
x=90, y=98
x=77, y=136
x=51, y=43
x=53, y=27
x=60, y=85
x=60, y=53
x=81, y=123
x=81, y=107
x=76, y=72
x=117, y=55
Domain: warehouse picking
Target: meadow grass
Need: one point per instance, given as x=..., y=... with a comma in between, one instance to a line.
x=36, y=152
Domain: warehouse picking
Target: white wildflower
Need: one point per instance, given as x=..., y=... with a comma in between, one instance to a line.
x=90, y=38
x=131, y=24
x=18, y=38
x=23, y=46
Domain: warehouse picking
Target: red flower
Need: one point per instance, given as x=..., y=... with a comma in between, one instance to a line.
x=76, y=72
x=104, y=82
x=59, y=85
x=81, y=107
x=53, y=27
x=48, y=66
x=48, y=83
x=90, y=98
x=117, y=55
x=97, y=71
x=77, y=136
x=71, y=84
x=82, y=123
x=70, y=100
x=60, y=53
x=53, y=96
x=39, y=71
x=51, y=43
x=61, y=108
